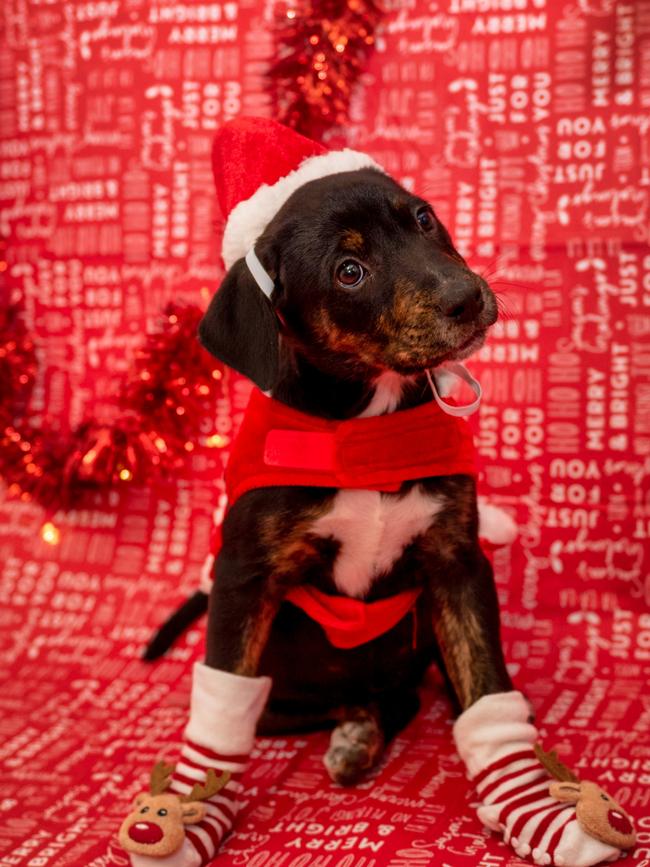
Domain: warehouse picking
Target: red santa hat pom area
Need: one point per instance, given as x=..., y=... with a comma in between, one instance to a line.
x=257, y=164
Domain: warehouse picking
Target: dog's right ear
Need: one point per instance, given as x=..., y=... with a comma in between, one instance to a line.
x=241, y=328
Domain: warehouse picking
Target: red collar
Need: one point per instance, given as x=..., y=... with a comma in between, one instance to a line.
x=277, y=445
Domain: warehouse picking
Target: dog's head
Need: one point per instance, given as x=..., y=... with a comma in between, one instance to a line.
x=367, y=280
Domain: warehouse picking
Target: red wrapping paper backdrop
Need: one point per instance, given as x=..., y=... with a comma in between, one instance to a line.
x=526, y=123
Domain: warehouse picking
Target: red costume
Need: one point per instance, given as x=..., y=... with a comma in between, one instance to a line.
x=277, y=445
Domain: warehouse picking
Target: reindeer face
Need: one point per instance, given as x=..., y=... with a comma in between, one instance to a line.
x=598, y=814
x=156, y=825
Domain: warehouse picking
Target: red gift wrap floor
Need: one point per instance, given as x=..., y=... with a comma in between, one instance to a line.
x=527, y=126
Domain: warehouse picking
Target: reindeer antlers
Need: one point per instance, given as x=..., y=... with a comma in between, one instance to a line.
x=159, y=779
x=213, y=784
x=554, y=766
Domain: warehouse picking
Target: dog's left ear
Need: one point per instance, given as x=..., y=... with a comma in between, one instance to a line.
x=241, y=328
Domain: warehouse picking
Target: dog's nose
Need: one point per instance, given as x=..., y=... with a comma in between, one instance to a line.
x=460, y=302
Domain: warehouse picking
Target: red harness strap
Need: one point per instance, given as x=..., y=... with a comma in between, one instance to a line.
x=277, y=446
x=350, y=622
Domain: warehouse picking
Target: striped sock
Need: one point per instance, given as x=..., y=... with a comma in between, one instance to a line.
x=220, y=734
x=222, y=808
x=495, y=740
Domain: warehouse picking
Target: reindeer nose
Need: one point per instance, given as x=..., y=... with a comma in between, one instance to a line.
x=461, y=302
x=619, y=822
x=146, y=832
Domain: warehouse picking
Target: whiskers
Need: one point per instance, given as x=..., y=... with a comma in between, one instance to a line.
x=505, y=305
x=508, y=300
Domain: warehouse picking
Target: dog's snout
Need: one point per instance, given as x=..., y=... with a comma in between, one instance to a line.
x=461, y=302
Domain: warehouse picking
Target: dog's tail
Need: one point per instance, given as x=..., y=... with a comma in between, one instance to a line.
x=175, y=625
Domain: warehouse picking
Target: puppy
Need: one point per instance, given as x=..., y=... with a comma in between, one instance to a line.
x=352, y=294
x=370, y=293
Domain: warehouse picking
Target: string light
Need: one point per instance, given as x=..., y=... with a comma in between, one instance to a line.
x=216, y=441
x=50, y=533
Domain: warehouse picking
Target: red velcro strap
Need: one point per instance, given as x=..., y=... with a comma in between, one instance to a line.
x=356, y=457
x=300, y=450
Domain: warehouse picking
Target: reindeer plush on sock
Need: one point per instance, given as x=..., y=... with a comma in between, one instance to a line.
x=353, y=530
x=156, y=826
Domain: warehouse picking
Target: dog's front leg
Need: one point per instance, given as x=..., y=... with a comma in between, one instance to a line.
x=265, y=551
x=494, y=734
x=227, y=700
x=243, y=605
x=467, y=626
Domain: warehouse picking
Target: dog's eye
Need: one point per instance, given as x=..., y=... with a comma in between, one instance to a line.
x=350, y=273
x=144, y=810
x=162, y=812
x=425, y=218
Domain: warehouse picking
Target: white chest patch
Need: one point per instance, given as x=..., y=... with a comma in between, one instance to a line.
x=388, y=393
x=373, y=529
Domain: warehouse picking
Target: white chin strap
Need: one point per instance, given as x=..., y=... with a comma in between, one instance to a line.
x=461, y=372
x=454, y=368
x=259, y=273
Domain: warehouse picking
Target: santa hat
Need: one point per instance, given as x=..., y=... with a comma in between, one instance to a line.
x=257, y=164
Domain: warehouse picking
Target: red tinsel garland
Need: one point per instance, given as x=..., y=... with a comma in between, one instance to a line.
x=30, y=465
x=172, y=388
x=323, y=46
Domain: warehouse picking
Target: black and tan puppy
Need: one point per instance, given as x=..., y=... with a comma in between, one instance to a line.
x=369, y=294
x=343, y=293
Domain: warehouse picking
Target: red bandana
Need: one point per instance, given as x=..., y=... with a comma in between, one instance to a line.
x=277, y=445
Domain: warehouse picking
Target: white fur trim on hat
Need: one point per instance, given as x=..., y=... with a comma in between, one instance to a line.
x=249, y=218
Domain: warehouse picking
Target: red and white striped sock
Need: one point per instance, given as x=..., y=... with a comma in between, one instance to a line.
x=495, y=740
x=220, y=733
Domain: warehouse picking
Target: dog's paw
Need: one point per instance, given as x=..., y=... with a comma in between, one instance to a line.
x=355, y=747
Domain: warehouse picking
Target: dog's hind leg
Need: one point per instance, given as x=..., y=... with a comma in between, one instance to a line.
x=357, y=743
